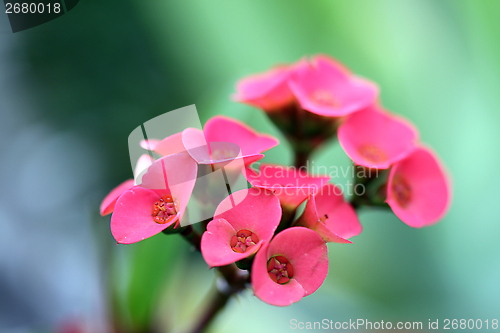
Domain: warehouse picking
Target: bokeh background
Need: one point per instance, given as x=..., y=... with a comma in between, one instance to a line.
x=73, y=89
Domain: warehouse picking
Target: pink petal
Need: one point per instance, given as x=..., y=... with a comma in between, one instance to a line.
x=419, y=190
x=109, y=201
x=229, y=152
x=196, y=145
x=224, y=129
x=310, y=218
x=257, y=210
x=253, y=176
x=149, y=144
x=215, y=244
x=306, y=251
x=327, y=88
x=226, y=172
x=292, y=186
x=170, y=145
x=142, y=165
x=343, y=221
x=132, y=220
x=376, y=139
x=327, y=234
x=269, y=291
x=174, y=173
x=268, y=91
x=248, y=160
x=221, y=148
x=342, y=218
x=332, y=67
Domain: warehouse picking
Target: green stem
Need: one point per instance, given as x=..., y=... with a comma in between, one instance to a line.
x=232, y=281
x=374, y=185
x=217, y=302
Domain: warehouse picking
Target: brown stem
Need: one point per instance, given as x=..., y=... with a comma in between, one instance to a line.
x=301, y=159
x=192, y=237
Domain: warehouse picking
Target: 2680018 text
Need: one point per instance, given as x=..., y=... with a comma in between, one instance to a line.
x=32, y=8
x=471, y=324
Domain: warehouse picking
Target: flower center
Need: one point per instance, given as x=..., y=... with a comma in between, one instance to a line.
x=280, y=269
x=164, y=210
x=324, y=97
x=402, y=191
x=243, y=241
x=372, y=153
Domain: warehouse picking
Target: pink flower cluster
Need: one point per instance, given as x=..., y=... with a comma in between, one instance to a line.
x=160, y=200
x=418, y=189
x=264, y=228
x=289, y=254
x=321, y=86
x=291, y=263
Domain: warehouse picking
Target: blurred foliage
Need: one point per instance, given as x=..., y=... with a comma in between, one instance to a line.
x=146, y=273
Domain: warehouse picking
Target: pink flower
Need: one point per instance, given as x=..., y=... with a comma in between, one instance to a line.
x=268, y=91
x=225, y=129
x=327, y=88
x=222, y=139
x=328, y=214
x=291, y=185
x=226, y=139
x=242, y=222
x=160, y=201
x=293, y=265
x=376, y=139
x=418, y=190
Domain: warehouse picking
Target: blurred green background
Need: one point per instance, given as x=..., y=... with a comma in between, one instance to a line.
x=74, y=88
